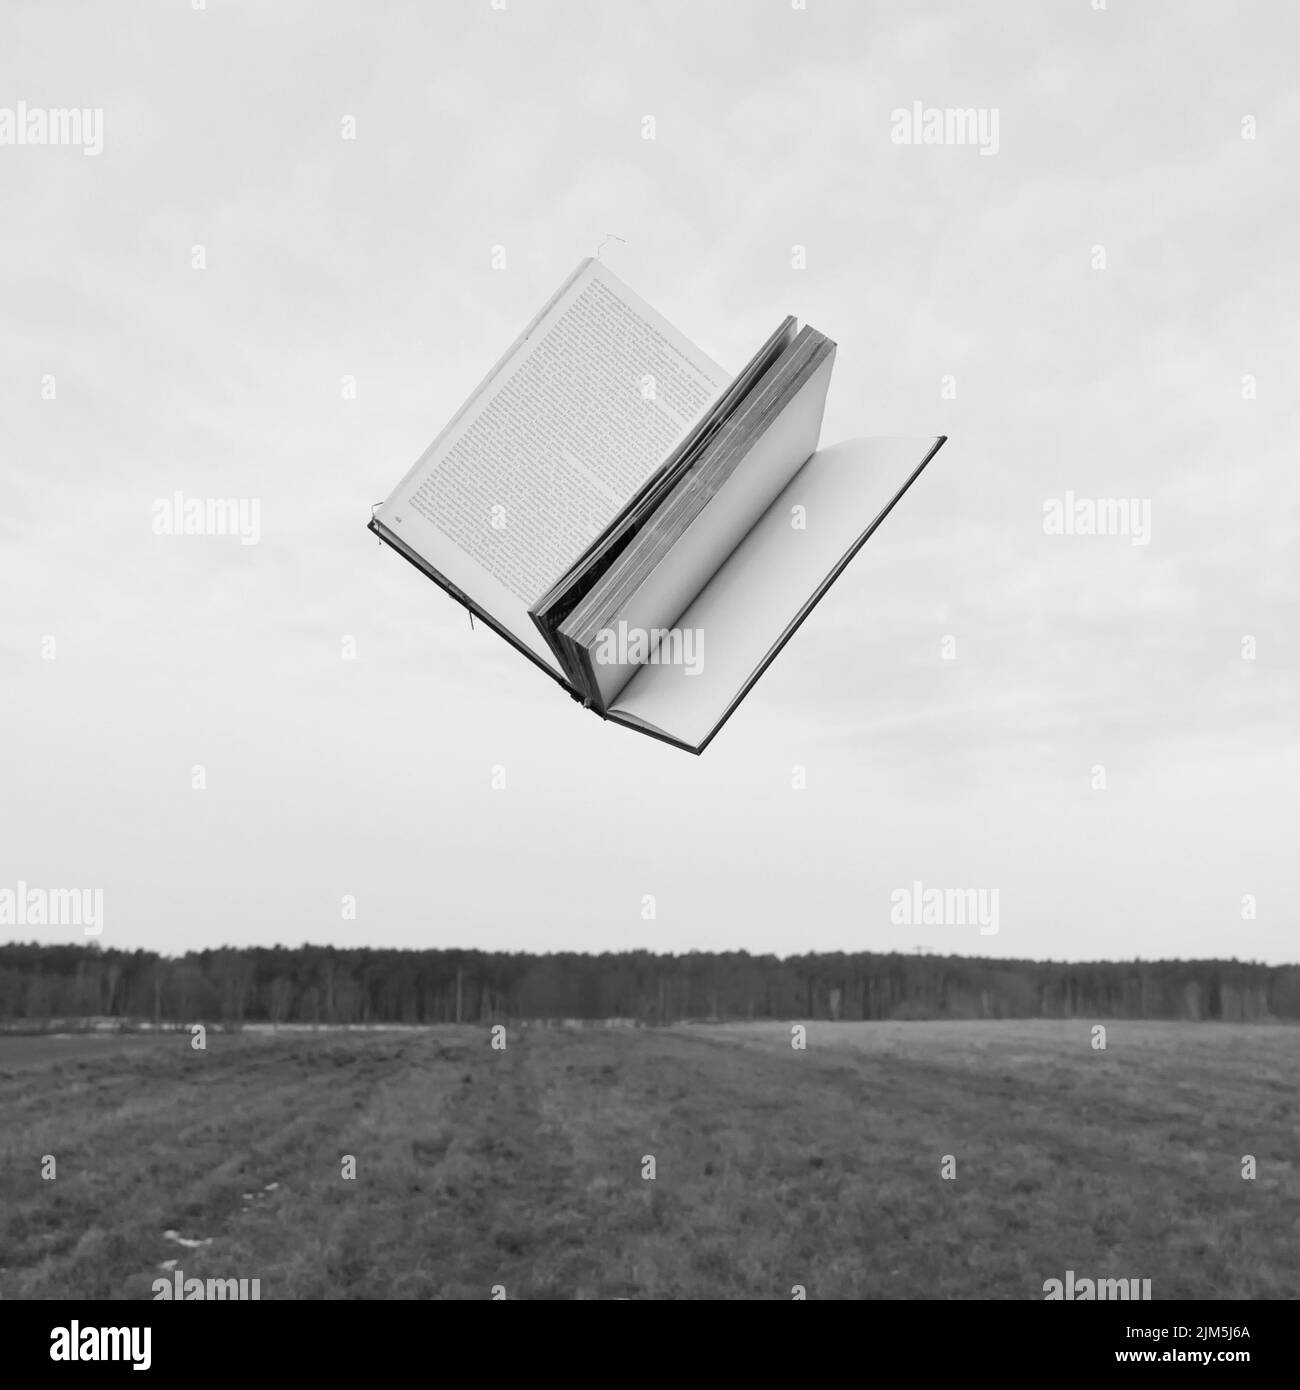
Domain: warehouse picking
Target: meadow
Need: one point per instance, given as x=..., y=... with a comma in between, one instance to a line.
x=773, y=1167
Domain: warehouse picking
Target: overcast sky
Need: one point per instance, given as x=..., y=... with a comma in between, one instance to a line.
x=371, y=258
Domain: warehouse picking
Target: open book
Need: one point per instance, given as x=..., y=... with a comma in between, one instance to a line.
x=647, y=529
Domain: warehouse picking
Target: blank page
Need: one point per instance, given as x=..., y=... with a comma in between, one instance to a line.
x=770, y=580
x=770, y=461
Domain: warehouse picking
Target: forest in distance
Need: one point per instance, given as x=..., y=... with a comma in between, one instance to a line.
x=315, y=984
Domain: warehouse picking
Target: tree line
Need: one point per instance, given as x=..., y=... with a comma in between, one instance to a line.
x=323, y=984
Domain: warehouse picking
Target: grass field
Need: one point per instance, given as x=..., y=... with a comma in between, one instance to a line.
x=774, y=1167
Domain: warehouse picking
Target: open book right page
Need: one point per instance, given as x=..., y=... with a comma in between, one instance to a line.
x=753, y=603
x=769, y=437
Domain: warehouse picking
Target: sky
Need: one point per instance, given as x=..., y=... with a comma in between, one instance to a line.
x=1102, y=302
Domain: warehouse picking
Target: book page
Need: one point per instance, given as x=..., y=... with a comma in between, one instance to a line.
x=769, y=460
x=564, y=597
x=770, y=579
x=561, y=436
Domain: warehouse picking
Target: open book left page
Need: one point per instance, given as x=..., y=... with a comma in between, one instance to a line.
x=560, y=436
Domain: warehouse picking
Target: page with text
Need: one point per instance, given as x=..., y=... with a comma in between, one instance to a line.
x=593, y=400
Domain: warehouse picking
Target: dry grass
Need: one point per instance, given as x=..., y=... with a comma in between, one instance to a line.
x=774, y=1167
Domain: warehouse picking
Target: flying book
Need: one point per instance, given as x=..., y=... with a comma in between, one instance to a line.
x=646, y=529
